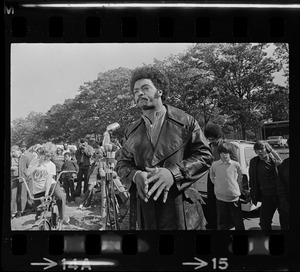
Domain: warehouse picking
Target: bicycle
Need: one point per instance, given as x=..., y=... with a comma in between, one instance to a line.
x=48, y=207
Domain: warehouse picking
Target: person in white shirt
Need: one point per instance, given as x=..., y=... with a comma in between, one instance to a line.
x=227, y=177
x=43, y=171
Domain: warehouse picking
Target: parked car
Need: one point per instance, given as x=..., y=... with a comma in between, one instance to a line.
x=245, y=153
x=277, y=141
x=74, y=147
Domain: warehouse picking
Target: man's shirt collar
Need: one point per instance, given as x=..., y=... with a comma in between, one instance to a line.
x=226, y=162
x=157, y=115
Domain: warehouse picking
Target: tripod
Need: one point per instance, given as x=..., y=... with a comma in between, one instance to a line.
x=112, y=206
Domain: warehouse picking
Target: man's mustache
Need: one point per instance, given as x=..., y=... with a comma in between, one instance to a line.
x=142, y=98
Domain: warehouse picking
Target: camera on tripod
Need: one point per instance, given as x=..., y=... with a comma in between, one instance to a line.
x=111, y=200
x=109, y=147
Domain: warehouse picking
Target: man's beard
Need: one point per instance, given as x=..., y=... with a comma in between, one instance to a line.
x=146, y=107
x=150, y=107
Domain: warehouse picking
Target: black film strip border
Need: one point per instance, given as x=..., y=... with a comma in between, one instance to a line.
x=140, y=25
x=159, y=251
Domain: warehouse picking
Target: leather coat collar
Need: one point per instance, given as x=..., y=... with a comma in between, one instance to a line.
x=168, y=143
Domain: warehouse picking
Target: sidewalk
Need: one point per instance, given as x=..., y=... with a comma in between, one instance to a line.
x=251, y=221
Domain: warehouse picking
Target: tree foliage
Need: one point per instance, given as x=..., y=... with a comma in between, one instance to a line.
x=228, y=84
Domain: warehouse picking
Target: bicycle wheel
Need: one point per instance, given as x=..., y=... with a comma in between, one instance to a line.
x=55, y=222
x=54, y=218
x=45, y=225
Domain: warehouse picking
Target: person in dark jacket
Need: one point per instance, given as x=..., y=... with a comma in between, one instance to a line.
x=263, y=182
x=58, y=160
x=68, y=178
x=283, y=192
x=83, y=158
x=163, y=155
x=214, y=135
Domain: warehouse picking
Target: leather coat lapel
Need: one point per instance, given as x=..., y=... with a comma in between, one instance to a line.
x=171, y=138
x=140, y=145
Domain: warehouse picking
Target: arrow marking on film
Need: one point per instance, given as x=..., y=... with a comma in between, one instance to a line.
x=48, y=265
x=199, y=264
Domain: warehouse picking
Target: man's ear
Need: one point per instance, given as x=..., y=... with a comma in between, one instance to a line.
x=160, y=92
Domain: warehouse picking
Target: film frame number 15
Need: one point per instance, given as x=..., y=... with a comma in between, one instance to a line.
x=220, y=263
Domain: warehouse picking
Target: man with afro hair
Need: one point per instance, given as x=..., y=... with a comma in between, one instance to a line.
x=164, y=153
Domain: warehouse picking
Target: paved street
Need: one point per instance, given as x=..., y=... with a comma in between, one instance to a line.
x=283, y=152
x=251, y=220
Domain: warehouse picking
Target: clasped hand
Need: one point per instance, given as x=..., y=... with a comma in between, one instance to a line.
x=162, y=179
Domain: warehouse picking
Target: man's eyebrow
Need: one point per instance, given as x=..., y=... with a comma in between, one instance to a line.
x=142, y=86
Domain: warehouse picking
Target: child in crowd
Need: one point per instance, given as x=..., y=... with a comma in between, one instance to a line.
x=72, y=152
x=227, y=177
x=68, y=178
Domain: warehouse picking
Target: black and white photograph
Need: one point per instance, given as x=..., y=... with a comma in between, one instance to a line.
x=149, y=136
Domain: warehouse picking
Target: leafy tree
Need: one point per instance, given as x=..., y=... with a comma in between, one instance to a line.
x=281, y=52
x=276, y=103
x=106, y=100
x=29, y=129
x=191, y=86
x=240, y=71
x=228, y=84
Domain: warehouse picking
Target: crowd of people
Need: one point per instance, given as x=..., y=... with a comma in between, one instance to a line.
x=163, y=155
x=41, y=165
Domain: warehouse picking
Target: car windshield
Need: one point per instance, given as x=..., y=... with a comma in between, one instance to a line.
x=249, y=154
x=273, y=137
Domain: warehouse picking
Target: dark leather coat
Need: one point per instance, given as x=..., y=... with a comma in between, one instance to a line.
x=255, y=191
x=181, y=148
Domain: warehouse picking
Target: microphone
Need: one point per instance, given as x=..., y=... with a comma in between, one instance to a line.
x=110, y=148
x=112, y=127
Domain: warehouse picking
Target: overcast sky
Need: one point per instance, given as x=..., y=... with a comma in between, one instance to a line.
x=43, y=75
x=46, y=74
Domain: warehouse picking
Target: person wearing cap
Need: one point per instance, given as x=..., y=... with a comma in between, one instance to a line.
x=23, y=147
x=83, y=157
x=164, y=153
x=214, y=135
